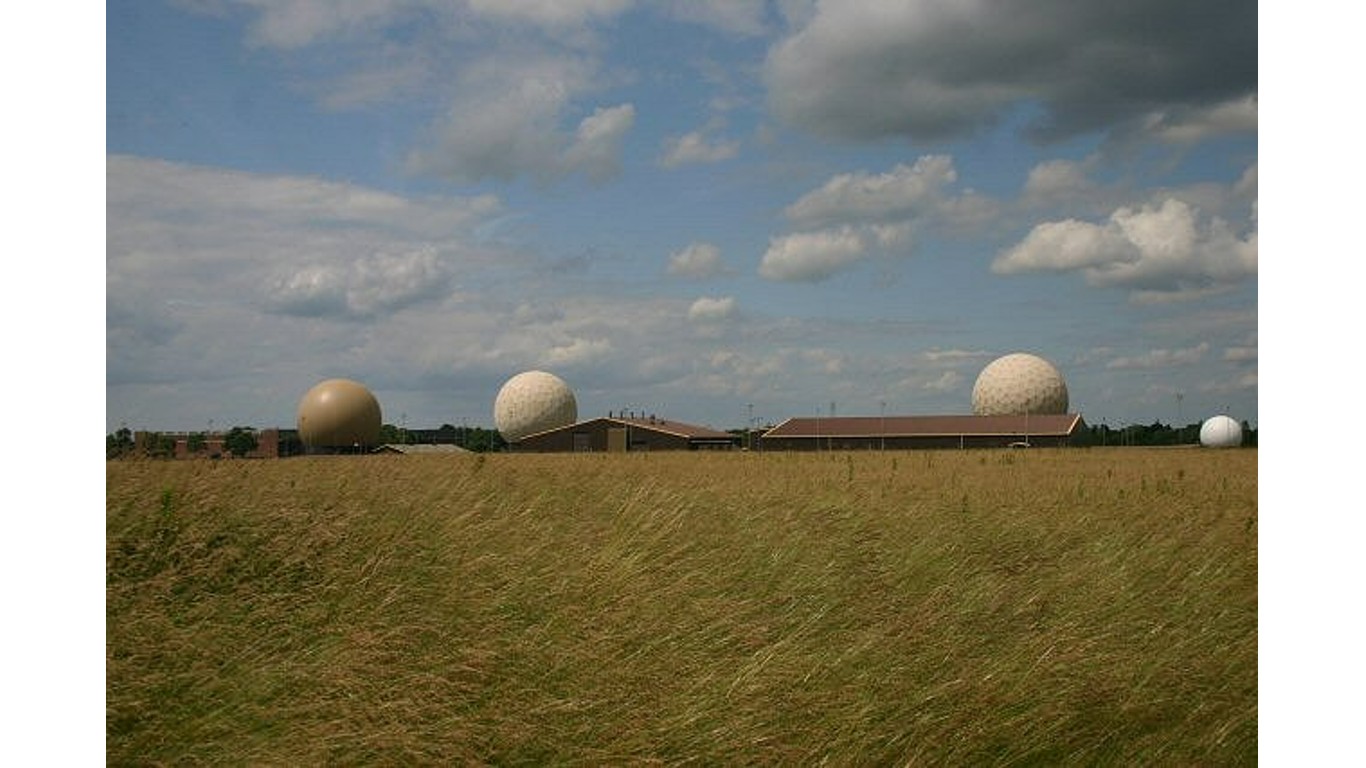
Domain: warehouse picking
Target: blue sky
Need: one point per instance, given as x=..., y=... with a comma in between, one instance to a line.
x=678, y=207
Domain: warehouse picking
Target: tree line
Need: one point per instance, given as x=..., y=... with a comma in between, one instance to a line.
x=241, y=441
x=124, y=443
x=475, y=439
x=1157, y=433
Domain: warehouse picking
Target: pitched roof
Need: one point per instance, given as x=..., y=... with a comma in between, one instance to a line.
x=926, y=426
x=682, y=429
x=666, y=426
x=420, y=448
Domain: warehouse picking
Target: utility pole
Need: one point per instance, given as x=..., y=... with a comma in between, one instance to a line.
x=1180, y=424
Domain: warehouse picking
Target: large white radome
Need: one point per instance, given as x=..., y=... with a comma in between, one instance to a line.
x=1221, y=432
x=1019, y=384
x=532, y=402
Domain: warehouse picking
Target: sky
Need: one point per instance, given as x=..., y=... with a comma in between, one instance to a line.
x=710, y=211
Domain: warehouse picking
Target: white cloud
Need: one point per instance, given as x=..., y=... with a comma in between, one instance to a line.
x=243, y=203
x=597, y=142
x=853, y=214
x=506, y=122
x=812, y=256
x=1165, y=249
x=1057, y=181
x=505, y=135
x=948, y=381
x=696, y=261
x=363, y=287
x=900, y=193
x=1067, y=245
x=199, y=259
x=708, y=310
x=1162, y=358
x=1247, y=183
x=297, y=23
x=1189, y=126
x=577, y=352
x=954, y=355
x=694, y=148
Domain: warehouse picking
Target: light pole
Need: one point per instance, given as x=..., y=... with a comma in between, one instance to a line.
x=882, y=427
x=1180, y=422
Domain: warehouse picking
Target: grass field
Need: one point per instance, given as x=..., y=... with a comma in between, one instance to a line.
x=1047, y=607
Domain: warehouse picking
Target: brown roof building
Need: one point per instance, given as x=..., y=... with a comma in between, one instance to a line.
x=620, y=434
x=845, y=433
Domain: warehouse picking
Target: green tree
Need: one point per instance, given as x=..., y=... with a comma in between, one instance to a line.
x=196, y=442
x=240, y=441
x=118, y=444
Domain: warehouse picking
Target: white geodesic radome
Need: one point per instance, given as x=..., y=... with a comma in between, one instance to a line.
x=1221, y=432
x=1019, y=384
x=531, y=402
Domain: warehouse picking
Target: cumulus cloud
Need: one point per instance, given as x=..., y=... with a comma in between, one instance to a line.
x=695, y=148
x=1188, y=126
x=597, y=142
x=1056, y=181
x=515, y=78
x=707, y=309
x=812, y=256
x=853, y=215
x=577, y=352
x=231, y=240
x=506, y=122
x=1166, y=248
x=696, y=261
x=361, y=288
x=899, y=193
x=933, y=70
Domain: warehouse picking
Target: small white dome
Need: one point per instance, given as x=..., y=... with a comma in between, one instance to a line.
x=1221, y=432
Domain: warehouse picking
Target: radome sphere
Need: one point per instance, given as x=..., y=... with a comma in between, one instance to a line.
x=1019, y=384
x=531, y=402
x=339, y=413
x=1221, y=432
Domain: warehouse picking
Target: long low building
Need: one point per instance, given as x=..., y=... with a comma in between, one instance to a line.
x=620, y=434
x=845, y=433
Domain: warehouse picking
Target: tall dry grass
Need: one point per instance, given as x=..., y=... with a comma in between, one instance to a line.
x=978, y=607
